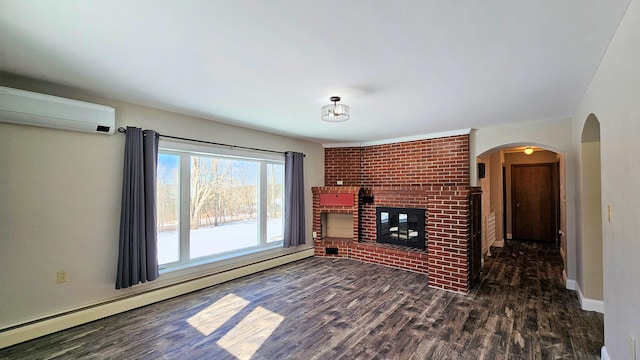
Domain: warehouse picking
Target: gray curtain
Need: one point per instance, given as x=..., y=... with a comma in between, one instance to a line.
x=294, y=232
x=138, y=258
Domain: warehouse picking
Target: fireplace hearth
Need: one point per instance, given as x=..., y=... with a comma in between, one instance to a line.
x=400, y=226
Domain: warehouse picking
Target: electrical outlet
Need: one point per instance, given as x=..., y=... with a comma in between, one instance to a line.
x=339, y=182
x=62, y=276
x=315, y=234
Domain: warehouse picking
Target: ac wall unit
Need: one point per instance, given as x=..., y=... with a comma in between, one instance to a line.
x=29, y=108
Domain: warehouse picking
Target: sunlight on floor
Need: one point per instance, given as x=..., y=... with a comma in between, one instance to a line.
x=216, y=314
x=246, y=338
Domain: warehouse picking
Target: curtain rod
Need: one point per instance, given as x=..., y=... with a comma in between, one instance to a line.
x=123, y=130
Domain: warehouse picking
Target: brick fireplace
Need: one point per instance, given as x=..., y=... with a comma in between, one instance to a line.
x=430, y=174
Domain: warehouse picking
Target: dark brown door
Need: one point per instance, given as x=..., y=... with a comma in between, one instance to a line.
x=533, y=194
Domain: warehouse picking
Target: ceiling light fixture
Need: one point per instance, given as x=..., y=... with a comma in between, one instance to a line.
x=528, y=150
x=335, y=112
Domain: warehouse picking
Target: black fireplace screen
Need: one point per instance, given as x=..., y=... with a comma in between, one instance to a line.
x=400, y=226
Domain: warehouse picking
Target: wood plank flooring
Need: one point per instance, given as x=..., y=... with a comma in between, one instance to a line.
x=324, y=308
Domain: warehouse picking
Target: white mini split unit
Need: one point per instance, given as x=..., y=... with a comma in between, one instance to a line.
x=29, y=108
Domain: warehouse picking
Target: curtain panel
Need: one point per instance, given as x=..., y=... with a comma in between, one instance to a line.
x=294, y=231
x=137, y=252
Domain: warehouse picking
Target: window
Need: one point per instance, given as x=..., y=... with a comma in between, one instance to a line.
x=212, y=205
x=168, y=208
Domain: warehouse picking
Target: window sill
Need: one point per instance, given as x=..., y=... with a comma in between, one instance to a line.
x=226, y=262
x=219, y=258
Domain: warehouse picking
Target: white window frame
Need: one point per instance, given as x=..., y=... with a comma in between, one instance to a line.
x=185, y=151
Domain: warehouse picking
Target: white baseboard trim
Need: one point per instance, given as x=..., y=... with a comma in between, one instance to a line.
x=604, y=354
x=50, y=325
x=589, y=304
x=498, y=243
x=509, y=236
x=569, y=284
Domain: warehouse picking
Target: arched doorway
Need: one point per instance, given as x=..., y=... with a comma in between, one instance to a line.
x=497, y=191
x=589, y=245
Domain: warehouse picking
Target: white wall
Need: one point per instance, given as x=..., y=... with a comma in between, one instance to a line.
x=554, y=135
x=497, y=159
x=614, y=98
x=485, y=185
x=590, y=252
x=60, y=195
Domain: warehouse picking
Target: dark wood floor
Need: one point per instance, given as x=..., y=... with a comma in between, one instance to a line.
x=322, y=308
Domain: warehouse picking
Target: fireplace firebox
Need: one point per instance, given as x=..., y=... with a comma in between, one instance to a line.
x=400, y=226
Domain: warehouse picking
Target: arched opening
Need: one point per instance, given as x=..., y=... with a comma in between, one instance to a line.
x=500, y=206
x=589, y=244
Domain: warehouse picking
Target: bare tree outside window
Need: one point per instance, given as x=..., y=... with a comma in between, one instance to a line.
x=168, y=207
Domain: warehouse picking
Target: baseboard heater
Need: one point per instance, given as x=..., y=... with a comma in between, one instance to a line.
x=47, y=325
x=490, y=226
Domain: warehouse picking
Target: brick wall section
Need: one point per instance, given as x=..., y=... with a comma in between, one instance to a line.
x=433, y=161
x=383, y=254
x=342, y=164
x=428, y=174
x=448, y=238
x=319, y=247
x=389, y=256
x=443, y=161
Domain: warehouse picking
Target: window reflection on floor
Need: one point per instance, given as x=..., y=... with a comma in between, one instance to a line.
x=215, y=315
x=246, y=337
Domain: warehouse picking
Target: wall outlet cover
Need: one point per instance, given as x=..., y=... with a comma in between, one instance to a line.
x=61, y=277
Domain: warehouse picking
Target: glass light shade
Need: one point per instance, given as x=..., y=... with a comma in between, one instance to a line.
x=528, y=151
x=335, y=112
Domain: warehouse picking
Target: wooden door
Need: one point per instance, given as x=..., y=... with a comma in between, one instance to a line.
x=533, y=208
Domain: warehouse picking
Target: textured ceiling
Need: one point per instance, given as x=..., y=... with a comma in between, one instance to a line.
x=404, y=67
